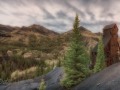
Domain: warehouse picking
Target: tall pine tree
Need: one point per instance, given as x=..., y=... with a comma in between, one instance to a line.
x=76, y=59
x=100, y=59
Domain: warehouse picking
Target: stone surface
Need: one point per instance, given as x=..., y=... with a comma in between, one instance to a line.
x=52, y=81
x=108, y=79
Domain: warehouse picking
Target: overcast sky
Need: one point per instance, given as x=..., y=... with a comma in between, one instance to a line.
x=58, y=15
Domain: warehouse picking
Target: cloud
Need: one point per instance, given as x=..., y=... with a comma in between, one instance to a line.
x=58, y=15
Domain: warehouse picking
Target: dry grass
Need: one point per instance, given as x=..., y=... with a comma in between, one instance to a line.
x=21, y=74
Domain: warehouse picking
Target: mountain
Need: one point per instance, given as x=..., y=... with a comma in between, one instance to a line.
x=35, y=43
x=6, y=28
x=23, y=33
x=85, y=32
x=33, y=28
x=90, y=38
x=36, y=29
x=99, y=33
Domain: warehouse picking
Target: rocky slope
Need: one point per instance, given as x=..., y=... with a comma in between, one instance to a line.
x=52, y=81
x=108, y=79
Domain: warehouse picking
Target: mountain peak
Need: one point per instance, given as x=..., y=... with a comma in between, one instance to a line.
x=34, y=28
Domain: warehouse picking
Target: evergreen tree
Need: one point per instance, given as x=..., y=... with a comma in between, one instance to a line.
x=100, y=59
x=42, y=85
x=76, y=59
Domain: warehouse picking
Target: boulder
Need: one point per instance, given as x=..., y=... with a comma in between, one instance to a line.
x=52, y=80
x=107, y=79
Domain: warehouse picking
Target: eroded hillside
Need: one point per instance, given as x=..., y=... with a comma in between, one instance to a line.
x=23, y=49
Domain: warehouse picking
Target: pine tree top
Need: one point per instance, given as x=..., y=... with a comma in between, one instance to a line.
x=76, y=24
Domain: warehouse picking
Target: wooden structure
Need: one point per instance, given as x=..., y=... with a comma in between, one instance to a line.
x=111, y=45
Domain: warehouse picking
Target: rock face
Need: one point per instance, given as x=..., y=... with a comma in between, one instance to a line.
x=108, y=79
x=52, y=81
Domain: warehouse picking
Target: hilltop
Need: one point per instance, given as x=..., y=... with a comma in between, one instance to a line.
x=23, y=33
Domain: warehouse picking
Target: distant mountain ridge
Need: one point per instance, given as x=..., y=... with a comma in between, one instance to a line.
x=23, y=33
x=90, y=38
x=32, y=28
x=39, y=29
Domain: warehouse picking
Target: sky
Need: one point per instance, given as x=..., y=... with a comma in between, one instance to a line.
x=58, y=15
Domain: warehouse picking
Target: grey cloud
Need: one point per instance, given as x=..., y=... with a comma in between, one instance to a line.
x=3, y=13
x=48, y=15
x=62, y=15
x=58, y=24
x=111, y=15
x=17, y=14
x=92, y=16
x=60, y=27
x=13, y=2
x=97, y=23
x=76, y=9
